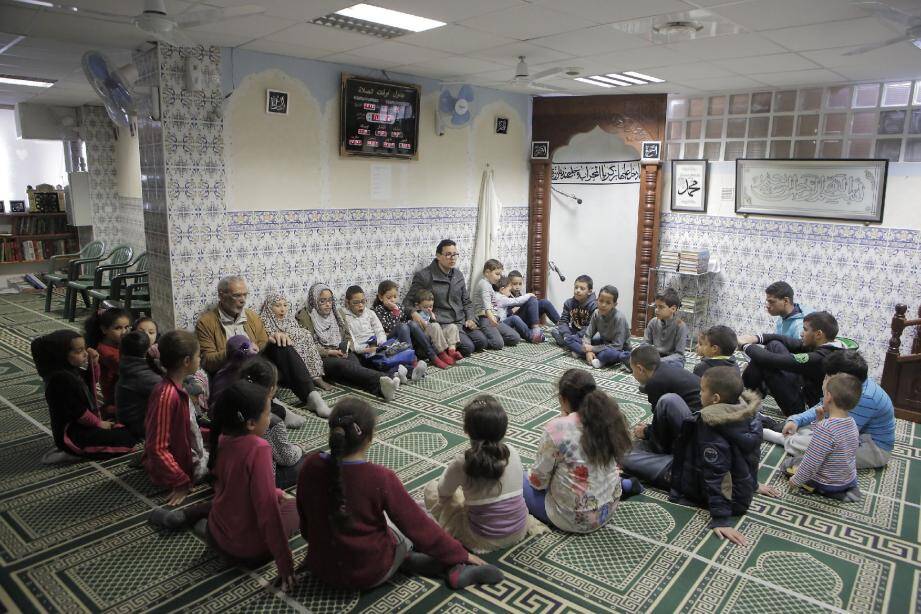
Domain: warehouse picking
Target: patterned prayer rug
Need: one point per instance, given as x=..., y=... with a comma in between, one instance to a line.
x=75, y=538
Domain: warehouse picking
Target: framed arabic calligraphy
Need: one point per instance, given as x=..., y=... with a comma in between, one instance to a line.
x=852, y=190
x=689, y=185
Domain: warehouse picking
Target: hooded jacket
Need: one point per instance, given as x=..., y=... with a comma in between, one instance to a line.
x=716, y=459
x=792, y=325
x=136, y=381
x=576, y=315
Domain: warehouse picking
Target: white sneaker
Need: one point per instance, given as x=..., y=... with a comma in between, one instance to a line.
x=388, y=388
x=420, y=371
x=596, y=364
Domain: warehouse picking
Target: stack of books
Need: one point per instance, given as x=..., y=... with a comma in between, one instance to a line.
x=669, y=260
x=693, y=304
x=694, y=261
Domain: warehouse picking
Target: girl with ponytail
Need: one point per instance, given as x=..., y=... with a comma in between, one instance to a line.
x=489, y=511
x=362, y=525
x=575, y=484
x=249, y=520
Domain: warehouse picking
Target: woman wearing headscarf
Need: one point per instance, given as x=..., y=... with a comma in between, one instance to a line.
x=340, y=365
x=278, y=318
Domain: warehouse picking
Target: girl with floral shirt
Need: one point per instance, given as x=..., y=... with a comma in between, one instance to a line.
x=574, y=484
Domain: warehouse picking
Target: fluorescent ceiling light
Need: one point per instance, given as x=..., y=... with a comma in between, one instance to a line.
x=11, y=44
x=608, y=80
x=36, y=3
x=626, y=78
x=592, y=82
x=640, y=75
x=30, y=81
x=396, y=19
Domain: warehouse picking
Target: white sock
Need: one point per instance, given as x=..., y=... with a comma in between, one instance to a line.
x=772, y=436
x=596, y=364
x=403, y=374
x=388, y=388
x=319, y=405
x=420, y=371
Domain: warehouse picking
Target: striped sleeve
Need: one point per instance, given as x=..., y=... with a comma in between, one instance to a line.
x=820, y=446
x=162, y=466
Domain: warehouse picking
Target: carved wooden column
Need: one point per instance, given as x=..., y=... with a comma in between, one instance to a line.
x=647, y=244
x=890, y=379
x=538, y=226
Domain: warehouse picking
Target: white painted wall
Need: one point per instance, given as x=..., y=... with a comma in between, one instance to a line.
x=26, y=162
x=598, y=237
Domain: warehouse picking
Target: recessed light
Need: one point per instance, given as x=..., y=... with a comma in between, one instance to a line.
x=36, y=3
x=388, y=17
x=30, y=81
x=633, y=80
x=592, y=82
x=640, y=75
x=609, y=80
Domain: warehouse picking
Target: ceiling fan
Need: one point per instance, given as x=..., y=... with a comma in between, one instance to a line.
x=155, y=21
x=525, y=80
x=911, y=23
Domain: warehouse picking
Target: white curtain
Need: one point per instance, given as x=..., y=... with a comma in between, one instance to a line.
x=486, y=239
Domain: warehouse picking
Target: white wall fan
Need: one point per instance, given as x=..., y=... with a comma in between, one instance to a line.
x=154, y=20
x=911, y=23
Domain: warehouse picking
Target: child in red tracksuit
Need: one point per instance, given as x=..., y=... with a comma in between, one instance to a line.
x=174, y=452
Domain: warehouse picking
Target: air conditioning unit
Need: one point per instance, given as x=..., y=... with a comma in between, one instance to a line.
x=45, y=122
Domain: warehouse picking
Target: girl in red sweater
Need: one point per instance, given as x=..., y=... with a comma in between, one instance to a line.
x=250, y=520
x=342, y=500
x=104, y=332
x=174, y=453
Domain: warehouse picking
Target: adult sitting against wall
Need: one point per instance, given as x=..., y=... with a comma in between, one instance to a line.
x=230, y=318
x=452, y=302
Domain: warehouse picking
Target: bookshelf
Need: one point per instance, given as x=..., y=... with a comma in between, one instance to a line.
x=685, y=271
x=35, y=237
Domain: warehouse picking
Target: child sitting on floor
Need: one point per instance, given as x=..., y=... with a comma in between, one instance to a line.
x=574, y=484
x=544, y=306
x=69, y=370
x=249, y=520
x=498, y=334
x=489, y=512
x=368, y=335
x=444, y=338
x=136, y=381
x=606, y=339
x=505, y=304
x=362, y=525
x=716, y=347
x=667, y=333
x=715, y=456
x=149, y=326
x=402, y=326
x=829, y=465
x=174, y=452
x=577, y=311
x=287, y=457
x=104, y=332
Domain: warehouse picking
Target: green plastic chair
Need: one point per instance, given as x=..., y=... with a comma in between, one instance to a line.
x=112, y=295
x=56, y=275
x=117, y=262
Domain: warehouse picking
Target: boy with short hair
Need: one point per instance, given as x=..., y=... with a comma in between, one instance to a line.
x=665, y=332
x=873, y=415
x=505, y=305
x=716, y=346
x=577, y=311
x=606, y=339
x=779, y=303
x=444, y=337
x=829, y=465
x=791, y=370
x=544, y=306
x=498, y=335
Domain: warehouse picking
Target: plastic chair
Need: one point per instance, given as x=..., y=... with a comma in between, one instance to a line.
x=111, y=295
x=56, y=277
x=117, y=260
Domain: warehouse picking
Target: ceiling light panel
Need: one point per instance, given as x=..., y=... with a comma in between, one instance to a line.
x=592, y=82
x=29, y=81
x=608, y=80
x=639, y=75
x=388, y=17
x=629, y=80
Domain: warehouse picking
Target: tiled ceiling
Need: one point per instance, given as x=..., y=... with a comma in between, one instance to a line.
x=751, y=43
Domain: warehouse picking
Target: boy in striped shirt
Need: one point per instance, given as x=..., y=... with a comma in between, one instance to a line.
x=829, y=465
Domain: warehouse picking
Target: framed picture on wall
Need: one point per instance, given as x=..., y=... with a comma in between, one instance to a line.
x=851, y=190
x=689, y=185
x=540, y=150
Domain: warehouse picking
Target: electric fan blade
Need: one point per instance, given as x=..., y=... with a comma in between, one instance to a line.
x=210, y=16
x=548, y=88
x=546, y=74
x=866, y=48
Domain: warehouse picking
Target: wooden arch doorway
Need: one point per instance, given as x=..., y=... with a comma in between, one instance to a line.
x=633, y=118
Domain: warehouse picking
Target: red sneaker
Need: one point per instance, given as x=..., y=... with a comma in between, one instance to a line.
x=445, y=358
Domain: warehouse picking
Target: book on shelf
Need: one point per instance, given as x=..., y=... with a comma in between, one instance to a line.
x=669, y=260
x=695, y=262
x=28, y=250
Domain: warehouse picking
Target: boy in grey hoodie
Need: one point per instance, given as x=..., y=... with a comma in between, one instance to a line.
x=606, y=339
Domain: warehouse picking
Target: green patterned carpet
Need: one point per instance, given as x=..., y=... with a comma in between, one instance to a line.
x=75, y=538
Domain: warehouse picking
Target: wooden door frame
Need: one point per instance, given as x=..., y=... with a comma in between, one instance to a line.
x=633, y=118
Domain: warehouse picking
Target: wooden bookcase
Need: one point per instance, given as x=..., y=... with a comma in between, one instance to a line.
x=35, y=237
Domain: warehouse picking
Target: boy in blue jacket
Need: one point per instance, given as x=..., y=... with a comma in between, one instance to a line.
x=577, y=311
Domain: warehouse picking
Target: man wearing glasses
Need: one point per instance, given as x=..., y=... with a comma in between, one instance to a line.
x=452, y=303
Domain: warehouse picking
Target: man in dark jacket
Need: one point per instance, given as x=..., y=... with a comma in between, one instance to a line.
x=452, y=302
x=136, y=380
x=791, y=370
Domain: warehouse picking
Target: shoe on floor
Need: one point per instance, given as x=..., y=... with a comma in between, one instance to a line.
x=420, y=371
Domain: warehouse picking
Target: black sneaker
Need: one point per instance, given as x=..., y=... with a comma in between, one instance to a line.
x=770, y=424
